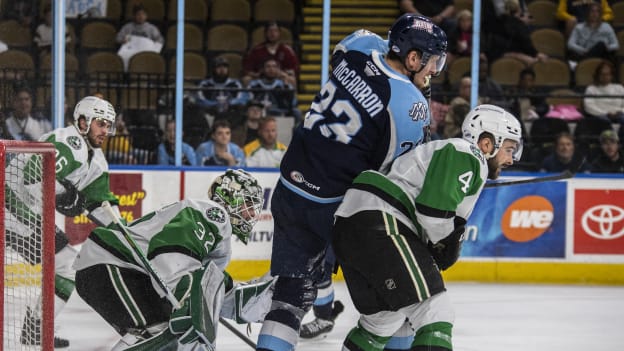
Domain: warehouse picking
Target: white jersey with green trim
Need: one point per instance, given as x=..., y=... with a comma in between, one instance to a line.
x=176, y=239
x=84, y=167
x=425, y=188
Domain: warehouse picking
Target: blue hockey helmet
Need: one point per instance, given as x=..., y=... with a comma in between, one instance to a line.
x=415, y=32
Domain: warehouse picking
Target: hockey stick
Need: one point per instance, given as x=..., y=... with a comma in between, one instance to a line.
x=563, y=175
x=133, y=245
x=237, y=333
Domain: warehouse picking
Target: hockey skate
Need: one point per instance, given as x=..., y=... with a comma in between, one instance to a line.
x=31, y=334
x=319, y=326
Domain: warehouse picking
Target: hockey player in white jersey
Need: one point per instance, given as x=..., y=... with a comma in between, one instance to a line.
x=188, y=245
x=82, y=183
x=408, y=226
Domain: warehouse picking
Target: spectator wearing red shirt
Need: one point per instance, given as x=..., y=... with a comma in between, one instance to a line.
x=272, y=47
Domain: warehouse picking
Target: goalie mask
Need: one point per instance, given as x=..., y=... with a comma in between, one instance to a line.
x=496, y=121
x=92, y=107
x=241, y=196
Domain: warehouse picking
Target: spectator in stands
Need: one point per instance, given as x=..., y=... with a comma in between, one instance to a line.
x=564, y=156
x=513, y=37
x=166, y=149
x=43, y=33
x=527, y=104
x=489, y=90
x=460, y=38
x=220, y=151
x=272, y=47
x=610, y=159
x=458, y=108
x=593, y=37
x=572, y=12
x=139, y=27
x=277, y=95
x=248, y=131
x=441, y=12
x=604, y=98
x=21, y=123
x=265, y=150
x=220, y=93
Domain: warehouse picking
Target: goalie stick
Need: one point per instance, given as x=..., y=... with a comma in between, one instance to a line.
x=172, y=299
x=237, y=333
x=563, y=175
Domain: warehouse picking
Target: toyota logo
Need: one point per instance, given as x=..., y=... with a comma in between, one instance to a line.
x=606, y=216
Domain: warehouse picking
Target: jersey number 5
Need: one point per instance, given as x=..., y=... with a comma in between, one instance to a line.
x=342, y=131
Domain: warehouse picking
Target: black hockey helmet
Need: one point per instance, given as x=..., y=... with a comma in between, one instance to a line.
x=415, y=32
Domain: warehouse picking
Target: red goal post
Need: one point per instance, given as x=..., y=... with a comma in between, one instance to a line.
x=27, y=242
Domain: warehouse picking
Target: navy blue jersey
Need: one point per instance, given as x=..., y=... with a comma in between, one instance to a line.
x=365, y=116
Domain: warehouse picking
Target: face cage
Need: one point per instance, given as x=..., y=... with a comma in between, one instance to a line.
x=249, y=203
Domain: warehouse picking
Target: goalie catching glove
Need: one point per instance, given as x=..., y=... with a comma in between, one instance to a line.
x=446, y=251
x=70, y=203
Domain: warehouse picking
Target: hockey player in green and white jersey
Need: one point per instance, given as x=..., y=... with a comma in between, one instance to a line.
x=409, y=226
x=82, y=183
x=188, y=245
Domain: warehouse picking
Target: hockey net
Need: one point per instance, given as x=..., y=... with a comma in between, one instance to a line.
x=27, y=238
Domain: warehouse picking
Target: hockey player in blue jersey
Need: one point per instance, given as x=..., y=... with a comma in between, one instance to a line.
x=369, y=112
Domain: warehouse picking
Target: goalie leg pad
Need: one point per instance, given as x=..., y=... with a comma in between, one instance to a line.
x=197, y=319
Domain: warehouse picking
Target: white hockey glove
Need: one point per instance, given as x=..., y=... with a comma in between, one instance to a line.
x=249, y=302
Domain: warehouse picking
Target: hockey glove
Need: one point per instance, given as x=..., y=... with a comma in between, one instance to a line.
x=249, y=302
x=446, y=251
x=71, y=203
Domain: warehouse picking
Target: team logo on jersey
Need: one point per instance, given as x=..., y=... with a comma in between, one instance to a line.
x=215, y=214
x=74, y=142
x=418, y=111
x=477, y=153
x=371, y=69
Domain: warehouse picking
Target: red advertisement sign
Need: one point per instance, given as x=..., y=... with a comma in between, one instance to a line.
x=128, y=188
x=598, y=221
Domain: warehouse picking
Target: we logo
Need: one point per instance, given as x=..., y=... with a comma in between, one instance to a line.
x=527, y=218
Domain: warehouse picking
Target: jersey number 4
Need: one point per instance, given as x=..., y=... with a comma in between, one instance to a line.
x=341, y=130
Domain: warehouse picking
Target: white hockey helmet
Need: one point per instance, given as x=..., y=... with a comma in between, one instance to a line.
x=496, y=121
x=92, y=107
x=242, y=197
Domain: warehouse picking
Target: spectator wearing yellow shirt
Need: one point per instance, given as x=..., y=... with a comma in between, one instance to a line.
x=266, y=150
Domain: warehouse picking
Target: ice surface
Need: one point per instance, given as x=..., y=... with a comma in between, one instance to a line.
x=489, y=317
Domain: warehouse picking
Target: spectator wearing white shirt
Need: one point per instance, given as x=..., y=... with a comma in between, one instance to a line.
x=139, y=27
x=21, y=124
x=266, y=150
x=604, y=98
